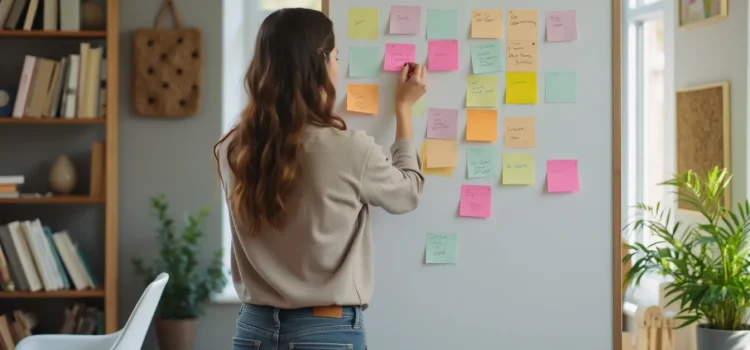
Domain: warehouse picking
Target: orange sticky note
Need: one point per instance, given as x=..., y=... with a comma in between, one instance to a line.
x=519, y=132
x=522, y=25
x=362, y=98
x=447, y=172
x=481, y=125
x=521, y=56
x=443, y=153
x=487, y=23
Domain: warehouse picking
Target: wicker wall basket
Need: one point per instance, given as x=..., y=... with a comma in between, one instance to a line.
x=167, y=68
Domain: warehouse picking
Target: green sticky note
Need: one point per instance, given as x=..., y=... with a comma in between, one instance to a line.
x=363, y=23
x=440, y=248
x=518, y=169
x=442, y=24
x=487, y=57
x=561, y=87
x=418, y=107
x=481, y=162
x=364, y=62
x=482, y=91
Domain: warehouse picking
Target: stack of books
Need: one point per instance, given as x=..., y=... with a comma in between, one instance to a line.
x=33, y=258
x=55, y=14
x=73, y=87
x=9, y=186
x=15, y=326
x=82, y=319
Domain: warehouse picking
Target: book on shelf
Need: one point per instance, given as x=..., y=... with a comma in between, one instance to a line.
x=9, y=186
x=40, y=14
x=82, y=319
x=14, y=326
x=32, y=258
x=72, y=87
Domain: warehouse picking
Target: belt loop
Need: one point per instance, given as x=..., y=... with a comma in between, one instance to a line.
x=276, y=320
x=357, y=317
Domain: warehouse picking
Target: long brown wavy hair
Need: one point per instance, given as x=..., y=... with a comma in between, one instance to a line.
x=289, y=88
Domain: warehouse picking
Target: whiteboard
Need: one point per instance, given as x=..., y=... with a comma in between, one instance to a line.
x=538, y=273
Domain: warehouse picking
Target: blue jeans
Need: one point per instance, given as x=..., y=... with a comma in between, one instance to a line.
x=268, y=328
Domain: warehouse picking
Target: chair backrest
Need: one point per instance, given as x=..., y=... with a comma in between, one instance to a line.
x=132, y=335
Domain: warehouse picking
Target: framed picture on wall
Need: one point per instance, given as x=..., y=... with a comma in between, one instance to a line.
x=695, y=13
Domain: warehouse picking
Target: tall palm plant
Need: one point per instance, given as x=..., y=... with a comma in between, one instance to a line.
x=707, y=261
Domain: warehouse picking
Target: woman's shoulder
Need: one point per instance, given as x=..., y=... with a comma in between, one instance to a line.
x=357, y=141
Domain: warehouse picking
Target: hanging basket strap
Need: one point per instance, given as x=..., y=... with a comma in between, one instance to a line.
x=168, y=5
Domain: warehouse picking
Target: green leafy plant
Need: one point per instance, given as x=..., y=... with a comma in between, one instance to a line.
x=190, y=285
x=707, y=261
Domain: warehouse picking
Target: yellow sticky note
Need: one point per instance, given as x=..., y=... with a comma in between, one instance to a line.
x=520, y=88
x=363, y=23
x=481, y=125
x=487, y=23
x=519, y=132
x=442, y=153
x=481, y=91
x=522, y=25
x=521, y=56
x=447, y=172
x=362, y=98
x=518, y=169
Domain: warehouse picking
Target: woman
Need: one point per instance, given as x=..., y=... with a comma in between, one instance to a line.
x=298, y=184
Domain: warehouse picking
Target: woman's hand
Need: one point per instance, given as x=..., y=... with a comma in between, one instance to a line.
x=411, y=85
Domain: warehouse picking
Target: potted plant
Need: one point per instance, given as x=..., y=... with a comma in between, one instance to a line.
x=190, y=285
x=706, y=262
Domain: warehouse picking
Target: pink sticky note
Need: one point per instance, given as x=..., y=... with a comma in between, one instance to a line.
x=405, y=19
x=442, y=55
x=561, y=26
x=398, y=54
x=476, y=201
x=442, y=124
x=562, y=175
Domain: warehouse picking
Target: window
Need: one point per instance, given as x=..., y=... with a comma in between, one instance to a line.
x=648, y=155
x=240, y=26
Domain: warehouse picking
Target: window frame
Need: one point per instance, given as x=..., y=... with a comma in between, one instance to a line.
x=634, y=132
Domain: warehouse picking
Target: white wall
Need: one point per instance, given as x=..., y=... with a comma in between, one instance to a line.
x=715, y=53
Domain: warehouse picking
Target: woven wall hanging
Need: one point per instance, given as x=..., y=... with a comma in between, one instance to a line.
x=167, y=68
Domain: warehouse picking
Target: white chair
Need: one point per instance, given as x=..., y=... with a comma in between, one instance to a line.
x=129, y=337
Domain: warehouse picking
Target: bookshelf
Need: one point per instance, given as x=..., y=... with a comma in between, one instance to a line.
x=103, y=214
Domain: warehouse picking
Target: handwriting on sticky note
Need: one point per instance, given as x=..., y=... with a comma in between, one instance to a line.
x=562, y=175
x=481, y=162
x=561, y=26
x=476, y=201
x=522, y=56
x=487, y=23
x=362, y=98
x=442, y=55
x=418, y=107
x=398, y=54
x=440, y=248
x=364, y=62
x=520, y=88
x=446, y=172
x=522, y=25
x=405, y=19
x=561, y=87
x=442, y=153
x=481, y=125
x=519, y=132
x=442, y=24
x=482, y=91
x=363, y=23
x=442, y=123
x=518, y=169
x=487, y=57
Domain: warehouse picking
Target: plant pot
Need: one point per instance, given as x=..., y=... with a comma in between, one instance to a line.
x=176, y=334
x=715, y=339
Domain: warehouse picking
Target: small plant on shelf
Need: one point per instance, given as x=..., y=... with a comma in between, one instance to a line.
x=190, y=284
x=707, y=261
